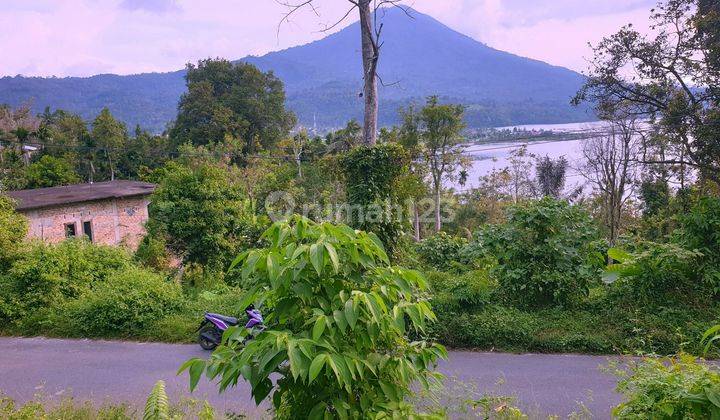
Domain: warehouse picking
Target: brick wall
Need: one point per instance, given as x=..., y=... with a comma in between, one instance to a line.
x=114, y=222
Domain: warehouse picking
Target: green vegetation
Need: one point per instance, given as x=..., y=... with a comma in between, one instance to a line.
x=76, y=289
x=677, y=388
x=157, y=407
x=516, y=264
x=200, y=214
x=13, y=228
x=372, y=175
x=341, y=316
x=545, y=252
x=231, y=100
x=657, y=303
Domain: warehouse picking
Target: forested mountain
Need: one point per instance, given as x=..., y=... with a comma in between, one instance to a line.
x=420, y=57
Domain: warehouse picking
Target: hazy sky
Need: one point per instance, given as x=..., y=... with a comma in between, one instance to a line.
x=84, y=37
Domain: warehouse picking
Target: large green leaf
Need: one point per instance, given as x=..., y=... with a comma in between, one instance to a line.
x=316, y=366
x=618, y=254
x=350, y=314
x=195, y=368
x=333, y=256
x=317, y=257
x=319, y=327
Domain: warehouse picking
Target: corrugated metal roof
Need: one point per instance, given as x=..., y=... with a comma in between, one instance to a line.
x=59, y=196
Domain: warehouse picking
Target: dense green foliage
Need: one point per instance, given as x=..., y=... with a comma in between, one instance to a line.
x=546, y=252
x=340, y=316
x=46, y=275
x=700, y=230
x=371, y=178
x=126, y=303
x=657, y=272
x=231, y=101
x=441, y=251
x=13, y=228
x=50, y=171
x=200, y=214
x=82, y=290
x=678, y=388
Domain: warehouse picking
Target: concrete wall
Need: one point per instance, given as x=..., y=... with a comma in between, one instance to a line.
x=114, y=222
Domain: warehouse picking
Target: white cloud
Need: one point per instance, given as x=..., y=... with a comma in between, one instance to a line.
x=83, y=37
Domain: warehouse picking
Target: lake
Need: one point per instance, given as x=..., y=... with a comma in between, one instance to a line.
x=495, y=155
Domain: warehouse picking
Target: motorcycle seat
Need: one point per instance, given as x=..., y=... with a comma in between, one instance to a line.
x=230, y=320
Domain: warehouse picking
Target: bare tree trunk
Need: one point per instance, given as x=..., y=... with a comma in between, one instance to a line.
x=438, y=223
x=370, y=55
x=416, y=222
x=112, y=170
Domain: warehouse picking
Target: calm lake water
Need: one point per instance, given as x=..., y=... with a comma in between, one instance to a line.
x=498, y=155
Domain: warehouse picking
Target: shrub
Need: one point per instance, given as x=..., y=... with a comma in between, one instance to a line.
x=126, y=303
x=700, y=230
x=339, y=317
x=655, y=273
x=152, y=253
x=546, y=252
x=65, y=409
x=461, y=291
x=13, y=228
x=46, y=275
x=50, y=171
x=441, y=251
x=676, y=388
x=182, y=325
x=201, y=213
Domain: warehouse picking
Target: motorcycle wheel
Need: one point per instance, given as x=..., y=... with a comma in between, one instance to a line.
x=205, y=343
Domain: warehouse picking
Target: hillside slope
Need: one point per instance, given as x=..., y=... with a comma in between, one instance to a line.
x=420, y=57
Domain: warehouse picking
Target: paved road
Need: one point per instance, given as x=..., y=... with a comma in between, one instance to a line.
x=125, y=371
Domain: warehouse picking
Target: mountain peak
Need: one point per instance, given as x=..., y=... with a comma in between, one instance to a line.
x=420, y=57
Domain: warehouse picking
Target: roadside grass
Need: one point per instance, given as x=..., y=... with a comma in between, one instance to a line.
x=480, y=318
x=68, y=408
x=601, y=326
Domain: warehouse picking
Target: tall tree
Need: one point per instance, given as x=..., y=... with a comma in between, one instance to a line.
x=109, y=137
x=439, y=129
x=370, y=45
x=610, y=167
x=63, y=134
x=144, y=153
x=231, y=101
x=49, y=171
x=671, y=76
x=409, y=138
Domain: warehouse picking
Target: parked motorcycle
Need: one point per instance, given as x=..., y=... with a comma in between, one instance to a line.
x=213, y=326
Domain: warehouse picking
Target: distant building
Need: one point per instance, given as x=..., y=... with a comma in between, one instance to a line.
x=110, y=213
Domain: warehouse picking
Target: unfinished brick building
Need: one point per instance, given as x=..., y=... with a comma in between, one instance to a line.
x=110, y=213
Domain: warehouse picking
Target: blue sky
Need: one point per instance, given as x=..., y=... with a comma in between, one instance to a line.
x=84, y=37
